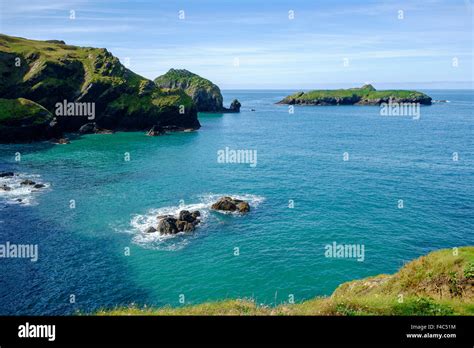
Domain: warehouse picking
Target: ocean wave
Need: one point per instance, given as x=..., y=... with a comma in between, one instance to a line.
x=21, y=194
x=140, y=223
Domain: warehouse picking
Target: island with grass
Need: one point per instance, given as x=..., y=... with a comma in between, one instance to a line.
x=440, y=283
x=365, y=95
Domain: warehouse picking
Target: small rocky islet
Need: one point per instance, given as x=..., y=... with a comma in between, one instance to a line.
x=26, y=182
x=365, y=95
x=187, y=221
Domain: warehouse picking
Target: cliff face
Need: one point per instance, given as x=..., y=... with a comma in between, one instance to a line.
x=51, y=72
x=204, y=93
x=365, y=95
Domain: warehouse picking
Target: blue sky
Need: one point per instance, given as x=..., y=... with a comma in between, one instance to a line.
x=254, y=44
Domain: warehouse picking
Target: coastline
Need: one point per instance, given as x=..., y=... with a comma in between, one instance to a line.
x=440, y=283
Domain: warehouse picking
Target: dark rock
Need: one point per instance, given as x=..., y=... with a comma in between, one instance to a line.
x=6, y=174
x=235, y=106
x=243, y=207
x=150, y=229
x=39, y=186
x=231, y=204
x=185, y=215
x=5, y=188
x=196, y=214
x=181, y=225
x=188, y=227
x=155, y=131
x=168, y=226
x=88, y=128
x=27, y=182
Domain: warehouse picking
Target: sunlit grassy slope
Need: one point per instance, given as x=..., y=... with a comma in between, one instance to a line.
x=440, y=283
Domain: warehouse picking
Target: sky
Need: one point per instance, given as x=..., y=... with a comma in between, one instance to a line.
x=257, y=44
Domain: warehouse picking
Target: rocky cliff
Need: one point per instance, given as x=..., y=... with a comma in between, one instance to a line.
x=51, y=72
x=206, y=95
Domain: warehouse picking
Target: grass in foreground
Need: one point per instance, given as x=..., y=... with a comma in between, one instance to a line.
x=440, y=283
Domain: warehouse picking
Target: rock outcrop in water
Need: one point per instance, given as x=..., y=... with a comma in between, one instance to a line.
x=50, y=73
x=205, y=94
x=365, y=95
x=231, y=204
x=168, y=224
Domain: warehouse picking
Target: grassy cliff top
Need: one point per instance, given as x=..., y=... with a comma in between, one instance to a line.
x=440, y=283
x=185, y=79
x=17, y=111
x=98, y=63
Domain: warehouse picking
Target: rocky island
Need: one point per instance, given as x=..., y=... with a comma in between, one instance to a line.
x=365, y=95
x=205, y=94
x=37, y=76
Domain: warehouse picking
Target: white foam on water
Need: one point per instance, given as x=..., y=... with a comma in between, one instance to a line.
x=21, y=194
x=140, y=223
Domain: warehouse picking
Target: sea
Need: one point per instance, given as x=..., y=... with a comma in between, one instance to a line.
x=397, y=187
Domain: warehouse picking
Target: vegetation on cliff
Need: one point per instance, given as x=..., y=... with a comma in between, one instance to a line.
x=365, y=95
x=206, y=95
x=49, y=72
x=32, y=119
x=440, y=283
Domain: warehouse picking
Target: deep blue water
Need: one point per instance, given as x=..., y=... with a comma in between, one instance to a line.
x=299, y=158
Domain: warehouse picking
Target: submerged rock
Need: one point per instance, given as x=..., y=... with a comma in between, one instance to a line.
x=28, y=182
x=5, y=188
x=231, y=204
x=150, y=229
x=39, y=186
x=6, y=174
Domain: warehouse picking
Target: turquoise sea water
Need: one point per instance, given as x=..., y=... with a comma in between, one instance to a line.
x=281, y=249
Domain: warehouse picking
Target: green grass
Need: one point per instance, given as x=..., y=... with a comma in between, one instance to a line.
x=18, y=111
x=44, y=66
x=186, y=77
x=364, y=93
x=440, y=283
x=193, y=85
